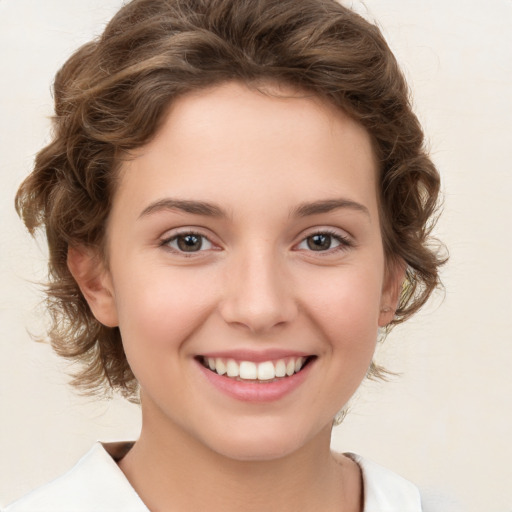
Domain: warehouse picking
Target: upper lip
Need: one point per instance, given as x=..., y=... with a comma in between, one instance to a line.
x=256, y=356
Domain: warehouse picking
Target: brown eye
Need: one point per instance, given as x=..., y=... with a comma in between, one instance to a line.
x=325, y=241
x=188, y=242
x=319, y=242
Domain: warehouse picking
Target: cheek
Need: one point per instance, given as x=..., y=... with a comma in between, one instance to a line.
x=346, y=298
x=159, y=311
x=346, y=312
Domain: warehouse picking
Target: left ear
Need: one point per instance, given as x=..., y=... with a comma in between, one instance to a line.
x=392, y=286
x=95, y=283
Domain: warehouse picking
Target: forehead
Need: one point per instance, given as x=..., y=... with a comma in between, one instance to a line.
x=238, y=110
x=230, y=139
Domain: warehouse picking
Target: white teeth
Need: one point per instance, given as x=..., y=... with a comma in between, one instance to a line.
x=232, y=368
x=266, y=371
x=220, y=367
x=280, y=368
x=248, y=370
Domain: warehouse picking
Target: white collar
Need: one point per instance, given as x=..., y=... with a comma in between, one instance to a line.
x=385, y=491
x=97, y=483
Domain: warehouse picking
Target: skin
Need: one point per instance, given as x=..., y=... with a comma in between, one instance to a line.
x=255, y=285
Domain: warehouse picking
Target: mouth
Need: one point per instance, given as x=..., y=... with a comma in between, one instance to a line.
x=250, y=371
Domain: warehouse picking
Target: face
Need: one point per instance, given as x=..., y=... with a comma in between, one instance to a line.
x=246, y=269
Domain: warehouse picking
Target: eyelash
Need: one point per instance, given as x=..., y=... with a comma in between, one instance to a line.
x=344, y=242
x=165, y=243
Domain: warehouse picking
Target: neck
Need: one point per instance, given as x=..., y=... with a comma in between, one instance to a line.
x=171, y=470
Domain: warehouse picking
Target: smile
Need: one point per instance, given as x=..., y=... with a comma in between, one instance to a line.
x=264, y=371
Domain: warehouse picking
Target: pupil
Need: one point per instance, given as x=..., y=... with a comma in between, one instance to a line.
x=190, y=243
x=319, y=242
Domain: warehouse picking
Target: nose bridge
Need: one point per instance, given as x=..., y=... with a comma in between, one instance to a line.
x=258, y=292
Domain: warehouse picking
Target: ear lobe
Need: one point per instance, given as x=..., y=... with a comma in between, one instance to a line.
x=95, y=283
x=394, y=278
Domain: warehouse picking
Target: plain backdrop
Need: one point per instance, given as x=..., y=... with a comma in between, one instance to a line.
x=446, y=422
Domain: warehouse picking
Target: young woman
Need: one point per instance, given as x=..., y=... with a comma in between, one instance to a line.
x=236, y=199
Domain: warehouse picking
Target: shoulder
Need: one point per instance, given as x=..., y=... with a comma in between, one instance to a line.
x=94, y=483
x=384, y=490
x=387, y=491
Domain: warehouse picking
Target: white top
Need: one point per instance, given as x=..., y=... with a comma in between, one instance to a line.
x=96, y=483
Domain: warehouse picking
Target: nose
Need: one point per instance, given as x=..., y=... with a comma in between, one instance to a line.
x=259, y=292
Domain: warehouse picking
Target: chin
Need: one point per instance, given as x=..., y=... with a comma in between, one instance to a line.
x=256, y=442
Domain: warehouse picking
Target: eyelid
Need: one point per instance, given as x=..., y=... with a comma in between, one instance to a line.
x=173, y=234
x=344, y=239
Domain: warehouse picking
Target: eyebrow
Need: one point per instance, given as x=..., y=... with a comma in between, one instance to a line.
x=212, y=210
x=187, y=206
x=328, y=205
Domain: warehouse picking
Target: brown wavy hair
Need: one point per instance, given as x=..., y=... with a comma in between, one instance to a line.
x=113, y=93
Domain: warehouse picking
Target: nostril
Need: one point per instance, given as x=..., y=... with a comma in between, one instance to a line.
x=257, y=299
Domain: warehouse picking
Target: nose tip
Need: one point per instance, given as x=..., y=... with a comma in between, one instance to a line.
x=256, y=317
x=259, y=297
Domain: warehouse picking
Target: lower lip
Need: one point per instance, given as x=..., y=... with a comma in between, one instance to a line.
x=256, y=391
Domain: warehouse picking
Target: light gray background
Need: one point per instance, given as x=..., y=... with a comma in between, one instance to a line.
x=446, y=423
